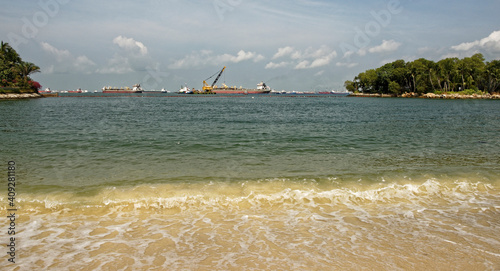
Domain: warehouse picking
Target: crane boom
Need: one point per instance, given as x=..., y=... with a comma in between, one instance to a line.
x=208, y=88
x=218, y=76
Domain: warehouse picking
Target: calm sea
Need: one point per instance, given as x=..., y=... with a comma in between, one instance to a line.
x=252, y=183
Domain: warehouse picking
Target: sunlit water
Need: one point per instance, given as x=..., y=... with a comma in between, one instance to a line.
x=253, y=183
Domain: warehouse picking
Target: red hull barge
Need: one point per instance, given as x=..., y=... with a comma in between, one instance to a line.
x=120, y=91
x=242, y=91
x=261, y=89
x=135, y=89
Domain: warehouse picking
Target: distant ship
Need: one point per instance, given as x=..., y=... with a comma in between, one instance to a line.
x=262, y=88
x=336, y=93
x=75, y=91
x=135, y=89
x=186, y=90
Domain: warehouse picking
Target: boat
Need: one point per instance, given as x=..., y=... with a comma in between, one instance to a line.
x=45, y=91
x=75, y=91
x=262, y=88
x=135, y=89
x=224, y=89
x=185, y=90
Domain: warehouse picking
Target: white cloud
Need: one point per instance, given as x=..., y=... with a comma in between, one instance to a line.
x=65, y=61
x=241, y=56
x=386, y=46
x=272, y=65
x=323, y=60
x=207, y=57
x=307, y=59
x=59, y=54
x=131, y=45
x=304, y=64
x=490, y=44
x=283, y=52
x=84, y=61
x=132, y=56
x=318, y=58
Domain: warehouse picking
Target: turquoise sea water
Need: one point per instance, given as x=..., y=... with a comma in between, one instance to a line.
x=344, y=180
x=93, y=142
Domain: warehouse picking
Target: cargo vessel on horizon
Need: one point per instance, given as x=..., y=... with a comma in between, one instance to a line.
x=262, y=88
x=135, y=89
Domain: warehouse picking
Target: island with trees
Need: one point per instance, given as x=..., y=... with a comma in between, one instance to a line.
x=470, y=77
x=15, y=81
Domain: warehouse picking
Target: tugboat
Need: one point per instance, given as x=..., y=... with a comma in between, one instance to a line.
x=185, y=90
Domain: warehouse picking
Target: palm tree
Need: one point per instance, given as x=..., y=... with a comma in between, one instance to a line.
x=24, y=69
x=9, y=58
x=3, y=50
x=8, y=54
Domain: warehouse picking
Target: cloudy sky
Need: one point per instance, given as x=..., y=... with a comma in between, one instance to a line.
x=291, y=45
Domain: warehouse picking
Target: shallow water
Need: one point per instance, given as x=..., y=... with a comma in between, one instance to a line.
x=226, y=183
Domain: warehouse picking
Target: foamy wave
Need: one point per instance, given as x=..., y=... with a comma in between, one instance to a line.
x=270, y=193
x=266, y=225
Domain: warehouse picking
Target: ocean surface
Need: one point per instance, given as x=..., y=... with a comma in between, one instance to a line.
x=252, y=183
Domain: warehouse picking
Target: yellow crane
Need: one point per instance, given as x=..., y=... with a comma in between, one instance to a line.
x=206, y=87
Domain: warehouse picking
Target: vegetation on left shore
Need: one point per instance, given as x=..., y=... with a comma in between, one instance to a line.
x=15, y=73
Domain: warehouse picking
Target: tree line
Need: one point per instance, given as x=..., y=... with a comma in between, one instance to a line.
x=14, y=72
x=468, y=75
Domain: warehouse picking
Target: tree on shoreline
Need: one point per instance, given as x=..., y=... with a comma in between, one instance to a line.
x=422, y=76
x=14, y=72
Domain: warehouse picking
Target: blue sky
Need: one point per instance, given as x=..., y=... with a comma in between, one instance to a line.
x=292, y=45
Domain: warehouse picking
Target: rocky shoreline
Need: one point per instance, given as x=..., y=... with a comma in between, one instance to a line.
x=458, y=96
x=16, y=96
x=430, y=96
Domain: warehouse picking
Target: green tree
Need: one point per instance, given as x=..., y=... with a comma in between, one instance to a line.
x=351, y=86
x=384, y=77
x=9, y=58
x=8, y=54
x=394, y=88
x=366, y=81
x=470, y=70
x=447, y=69
x=14, y=72
x=24, y=69
x=400, y=73
x=491, y=76
x=422, y=75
